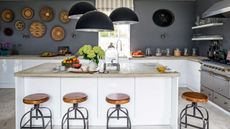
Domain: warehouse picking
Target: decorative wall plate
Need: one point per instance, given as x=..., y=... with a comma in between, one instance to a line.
x=64, y=16
x=8, y=31
x=19, y=25
x=163, y=18
x=57, y=33
x=37, y=29
x=7, y=15
x=27, y=13
x=46, y=14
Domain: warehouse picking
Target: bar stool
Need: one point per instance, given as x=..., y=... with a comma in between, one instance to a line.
x=75, y=98
x=36, y=100
x=118, y=99
x=195, y=98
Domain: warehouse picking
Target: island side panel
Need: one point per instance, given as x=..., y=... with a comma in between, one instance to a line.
x=174, y=103
x=19, y=95
x=50, y=86
x=86, y=85
x=107, y=86
x=153, y=100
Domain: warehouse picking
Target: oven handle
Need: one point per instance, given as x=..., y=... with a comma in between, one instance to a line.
x=216, y=75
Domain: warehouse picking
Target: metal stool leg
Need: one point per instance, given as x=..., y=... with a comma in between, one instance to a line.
x=118, y=109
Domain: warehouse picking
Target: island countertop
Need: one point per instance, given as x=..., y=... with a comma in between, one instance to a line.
x=126, y=70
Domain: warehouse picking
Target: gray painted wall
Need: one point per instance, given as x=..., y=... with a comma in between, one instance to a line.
x=147, y=34
x=201, y=6
x=37, y=45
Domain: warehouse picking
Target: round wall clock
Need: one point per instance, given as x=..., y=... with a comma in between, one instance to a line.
x=7, y=15
x=46, y=14
x=163, y=18
x=58, y=33
x=37, y=29
x=27, y=13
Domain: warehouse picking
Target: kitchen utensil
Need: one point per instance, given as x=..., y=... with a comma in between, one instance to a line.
x=37, y=29
x=58, y=33
x=46, y=14
x=7, y=15
x=163, y=18
x=63, y=16
x=19, y=25
x=8, y=31
x=27, y=13
x=148, y=52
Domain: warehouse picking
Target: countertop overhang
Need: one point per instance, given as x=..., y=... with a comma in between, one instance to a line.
x=127, y=70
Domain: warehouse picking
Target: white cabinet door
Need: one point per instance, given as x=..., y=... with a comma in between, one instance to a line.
x=7, y=69
x=179, y=66
x=107, y=86
x=194, y=75
x=50, y=86
x=153, y=101
x=87, y=86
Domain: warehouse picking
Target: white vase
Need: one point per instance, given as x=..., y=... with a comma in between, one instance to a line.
x=92, y=66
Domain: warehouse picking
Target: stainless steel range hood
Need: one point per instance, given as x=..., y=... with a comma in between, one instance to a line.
x=220, y=10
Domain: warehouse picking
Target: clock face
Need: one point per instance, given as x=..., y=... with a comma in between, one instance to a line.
x=163, y=18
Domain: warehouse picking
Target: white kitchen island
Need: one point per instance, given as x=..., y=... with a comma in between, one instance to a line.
x=154, y=95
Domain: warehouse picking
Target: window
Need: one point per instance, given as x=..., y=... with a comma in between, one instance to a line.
x=120, y=37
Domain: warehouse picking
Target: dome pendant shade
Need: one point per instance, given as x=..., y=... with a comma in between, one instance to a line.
x=124, y=15
x=79, y=9
x=94, y=21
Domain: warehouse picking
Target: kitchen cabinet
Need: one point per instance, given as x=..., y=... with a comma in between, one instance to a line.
x=207, y=92
x=179, y=66
x=222, y=101
x=193, y=75
x=7, y=69
x=107, y=86
x=221, y=85
x=146, y=91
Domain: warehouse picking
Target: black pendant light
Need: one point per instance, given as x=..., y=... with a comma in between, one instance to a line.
x=94, y=21
x=124, y=15
x=79, y=9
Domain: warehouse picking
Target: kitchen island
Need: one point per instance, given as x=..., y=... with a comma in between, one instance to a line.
x=154, y=95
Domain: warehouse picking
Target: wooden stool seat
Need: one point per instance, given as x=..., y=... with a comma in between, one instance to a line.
x=195, y=97
x=37, y=98
x=117, y=98
x=75, y=97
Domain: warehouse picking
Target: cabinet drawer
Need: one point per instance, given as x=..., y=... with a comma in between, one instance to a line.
x=207, y=80
x=221, y=101
x=207, y=92
x=221, y=85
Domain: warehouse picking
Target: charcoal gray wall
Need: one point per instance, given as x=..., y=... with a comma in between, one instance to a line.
x=37, y=45
x=201, y=6
x=147, y=34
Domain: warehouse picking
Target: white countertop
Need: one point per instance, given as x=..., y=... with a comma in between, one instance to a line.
x=126, y=70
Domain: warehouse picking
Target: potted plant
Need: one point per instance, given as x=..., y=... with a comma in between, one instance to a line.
x=93, y=54
x=5, y=48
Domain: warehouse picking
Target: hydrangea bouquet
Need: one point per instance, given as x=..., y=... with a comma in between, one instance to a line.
x=92, y=53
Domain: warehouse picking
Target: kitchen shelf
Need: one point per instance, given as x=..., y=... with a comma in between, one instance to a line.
x=207, y=25
x=202, y=38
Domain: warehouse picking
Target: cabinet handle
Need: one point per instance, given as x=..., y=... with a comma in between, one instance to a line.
x=215, y=97
x=209, y=94
x=202, y=90
x=225, y=103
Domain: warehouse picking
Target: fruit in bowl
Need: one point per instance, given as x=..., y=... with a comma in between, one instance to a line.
x=138, y=54
x=76, y=65
x=68, y=62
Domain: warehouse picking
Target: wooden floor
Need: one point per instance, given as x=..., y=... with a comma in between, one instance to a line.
x=218, y=118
